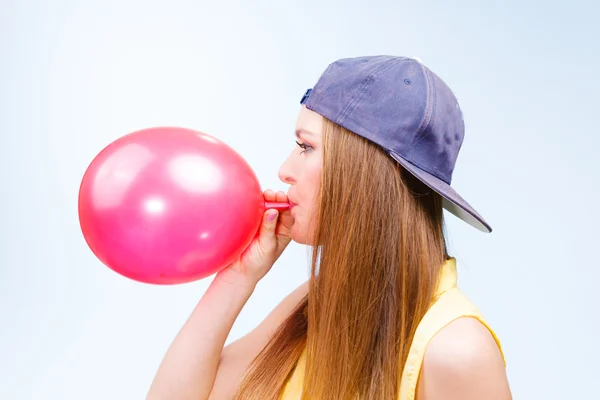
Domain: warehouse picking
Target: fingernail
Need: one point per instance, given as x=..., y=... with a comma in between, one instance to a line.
x=271, y=216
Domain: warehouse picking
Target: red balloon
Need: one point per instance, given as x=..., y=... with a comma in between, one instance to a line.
x=169, y=205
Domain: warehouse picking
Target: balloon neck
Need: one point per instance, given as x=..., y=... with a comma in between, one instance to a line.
x=277, y=205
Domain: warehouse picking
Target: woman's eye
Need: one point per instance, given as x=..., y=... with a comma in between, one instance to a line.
x=304, y=147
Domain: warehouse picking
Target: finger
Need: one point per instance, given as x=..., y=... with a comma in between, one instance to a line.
x=283, y=230
x=267, y=230
x=281, y=197
x=286, y=221
x=269, y=195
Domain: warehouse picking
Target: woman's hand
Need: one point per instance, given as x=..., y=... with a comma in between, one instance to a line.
x=266, y=247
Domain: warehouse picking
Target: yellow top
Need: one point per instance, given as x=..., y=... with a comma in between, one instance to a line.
x=450, y=304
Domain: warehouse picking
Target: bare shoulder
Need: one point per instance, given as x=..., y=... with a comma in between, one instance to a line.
x=463, y=362
x=237, y=356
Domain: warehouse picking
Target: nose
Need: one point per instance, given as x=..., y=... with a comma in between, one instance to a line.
x=285, y=173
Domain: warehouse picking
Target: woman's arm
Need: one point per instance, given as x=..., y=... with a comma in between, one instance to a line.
x=237, y=356
x=189, y=367
x=463, y=362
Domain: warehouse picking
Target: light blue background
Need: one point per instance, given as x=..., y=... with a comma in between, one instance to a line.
x=75, y=75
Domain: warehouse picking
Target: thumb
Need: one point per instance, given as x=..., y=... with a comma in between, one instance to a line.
x=266, y=239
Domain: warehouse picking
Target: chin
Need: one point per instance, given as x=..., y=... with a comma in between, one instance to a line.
x=301, y=236
x=298, y=235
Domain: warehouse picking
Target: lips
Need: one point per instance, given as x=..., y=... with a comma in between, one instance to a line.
x=292, y=204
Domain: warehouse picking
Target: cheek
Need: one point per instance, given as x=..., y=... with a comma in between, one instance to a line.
x=313, y=180
x=303, y=229
x=298, y=232
x=307, y=187
x=308, y=182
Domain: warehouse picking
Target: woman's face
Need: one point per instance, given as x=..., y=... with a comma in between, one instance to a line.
x=302, y=170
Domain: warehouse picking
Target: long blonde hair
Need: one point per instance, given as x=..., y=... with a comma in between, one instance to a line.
x=373, y=276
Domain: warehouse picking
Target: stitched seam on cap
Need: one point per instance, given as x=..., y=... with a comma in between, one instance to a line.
x=429, y=113
x=369, y=80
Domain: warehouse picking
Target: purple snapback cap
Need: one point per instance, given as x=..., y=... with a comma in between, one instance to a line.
x=402, y=106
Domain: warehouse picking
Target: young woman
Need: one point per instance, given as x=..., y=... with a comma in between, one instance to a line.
x=381, y=316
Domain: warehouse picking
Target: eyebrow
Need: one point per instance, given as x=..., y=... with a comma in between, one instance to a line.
x=299, y=131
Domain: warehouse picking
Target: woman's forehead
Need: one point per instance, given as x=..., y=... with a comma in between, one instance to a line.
x=309, y=123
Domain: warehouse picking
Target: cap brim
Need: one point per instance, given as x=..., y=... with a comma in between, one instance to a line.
x=452, y=201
